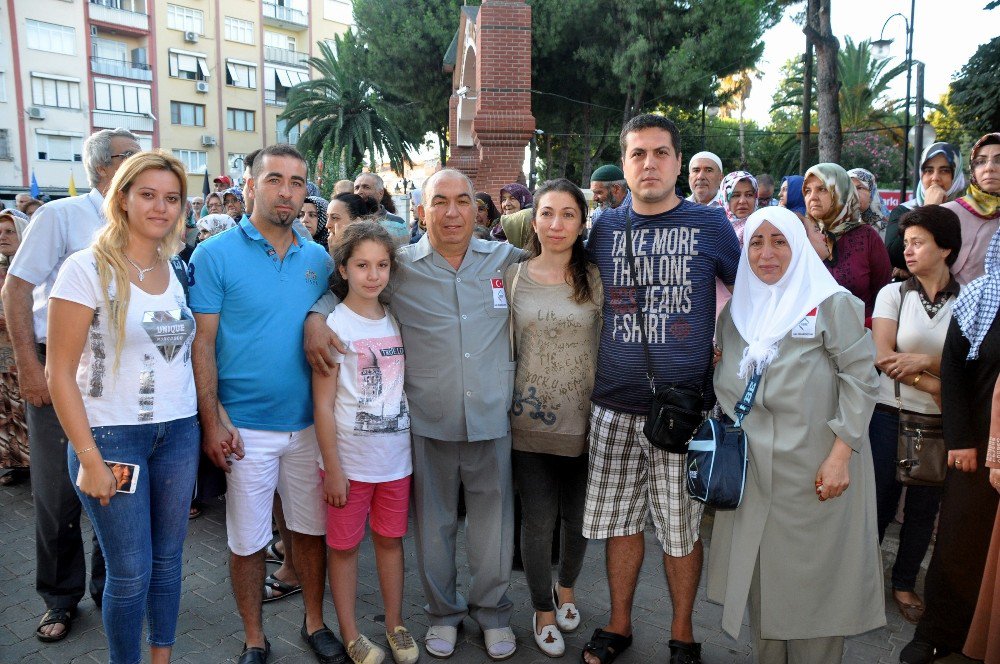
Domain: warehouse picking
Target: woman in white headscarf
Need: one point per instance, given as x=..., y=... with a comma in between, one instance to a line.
x=803, y=547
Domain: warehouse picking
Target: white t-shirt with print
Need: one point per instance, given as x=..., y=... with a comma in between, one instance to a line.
x=372, y=415
x=154, y=382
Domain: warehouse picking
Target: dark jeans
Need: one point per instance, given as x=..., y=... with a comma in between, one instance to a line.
x=550, y=486
x=920, y=508
x=60, y=564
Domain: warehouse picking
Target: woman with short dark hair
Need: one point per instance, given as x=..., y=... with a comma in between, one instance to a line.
x=909, y=325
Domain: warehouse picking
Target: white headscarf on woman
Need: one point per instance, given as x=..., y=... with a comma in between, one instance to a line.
x=764, y=314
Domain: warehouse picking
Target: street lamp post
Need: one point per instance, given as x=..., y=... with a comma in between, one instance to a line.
x=881, y=45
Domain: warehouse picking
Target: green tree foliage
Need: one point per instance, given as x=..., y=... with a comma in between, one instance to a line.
x=865, y=81
x=975, y=92
x=349, y=118
x=407, y=41
x=597, y=63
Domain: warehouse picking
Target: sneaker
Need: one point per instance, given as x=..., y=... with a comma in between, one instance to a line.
x=404, y=648
x=363, y=651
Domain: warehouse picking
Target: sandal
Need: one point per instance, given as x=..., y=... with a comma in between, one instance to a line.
x=275, y=589
x=606, y=646
x=62, y=617
x=194, y=512
x=271, y=553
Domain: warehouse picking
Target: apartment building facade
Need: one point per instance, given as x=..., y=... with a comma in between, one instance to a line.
x=205, y=79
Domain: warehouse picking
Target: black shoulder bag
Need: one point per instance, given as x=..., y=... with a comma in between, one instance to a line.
x=676, y=409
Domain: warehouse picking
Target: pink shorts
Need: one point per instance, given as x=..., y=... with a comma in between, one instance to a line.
x=388, y=503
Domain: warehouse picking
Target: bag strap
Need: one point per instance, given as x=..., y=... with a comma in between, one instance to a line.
x=180, y=270
x=638, y=305
x=510, y=310
x=903, y=290
x=746, y=403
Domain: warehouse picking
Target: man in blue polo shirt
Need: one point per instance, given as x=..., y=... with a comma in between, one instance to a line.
x=679, y=248
x=251, y=290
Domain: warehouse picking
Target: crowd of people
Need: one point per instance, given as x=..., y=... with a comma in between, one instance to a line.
x=331, y=369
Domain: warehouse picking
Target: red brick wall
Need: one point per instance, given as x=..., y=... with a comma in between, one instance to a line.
x=503, y=124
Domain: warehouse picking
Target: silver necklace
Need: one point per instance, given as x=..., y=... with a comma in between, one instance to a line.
x=141, y=270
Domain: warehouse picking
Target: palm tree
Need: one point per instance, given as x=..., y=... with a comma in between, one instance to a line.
x=348, y=118
x=864, y=80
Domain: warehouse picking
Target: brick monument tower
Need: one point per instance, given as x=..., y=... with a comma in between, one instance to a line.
x=490, y=120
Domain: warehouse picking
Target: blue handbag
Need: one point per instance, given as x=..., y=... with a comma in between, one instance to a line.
x=717, y=456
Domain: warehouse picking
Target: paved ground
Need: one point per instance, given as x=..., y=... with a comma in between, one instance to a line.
x=209, y=630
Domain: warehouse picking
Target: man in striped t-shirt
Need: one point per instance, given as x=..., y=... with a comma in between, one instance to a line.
x=680, y=249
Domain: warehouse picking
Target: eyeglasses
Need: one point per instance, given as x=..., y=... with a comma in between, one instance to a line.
x=124, y=155
x=979, y=162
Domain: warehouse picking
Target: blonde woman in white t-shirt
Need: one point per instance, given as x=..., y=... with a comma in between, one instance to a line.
x=909, y=337
x=119, y=372
x=363, y=430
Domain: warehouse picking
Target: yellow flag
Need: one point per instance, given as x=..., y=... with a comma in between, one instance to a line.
x=72, y=185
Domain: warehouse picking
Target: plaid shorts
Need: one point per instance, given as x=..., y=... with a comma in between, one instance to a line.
x=629, y=478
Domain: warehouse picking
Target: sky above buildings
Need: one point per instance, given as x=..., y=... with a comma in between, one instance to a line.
x=947, y=33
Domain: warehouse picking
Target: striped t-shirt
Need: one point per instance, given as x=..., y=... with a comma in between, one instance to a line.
x=678, y=254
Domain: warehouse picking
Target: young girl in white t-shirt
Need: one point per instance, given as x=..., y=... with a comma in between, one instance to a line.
x=363, y=429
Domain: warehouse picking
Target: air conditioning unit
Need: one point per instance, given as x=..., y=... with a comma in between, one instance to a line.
x=201, y=86
x=207, y=140
x=191, y=37
x=93, y=31
x=36, y=113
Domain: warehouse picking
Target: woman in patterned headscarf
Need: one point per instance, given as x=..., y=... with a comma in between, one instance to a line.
x=979, y=209
x=313, y=216
x=941, y=181
x=14, y=453
x=872, y=210
x=858, y=259
x=739, y=193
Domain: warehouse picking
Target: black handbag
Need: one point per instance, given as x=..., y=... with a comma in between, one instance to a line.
x=921, y=455
x=718, y=454
x=676, y=408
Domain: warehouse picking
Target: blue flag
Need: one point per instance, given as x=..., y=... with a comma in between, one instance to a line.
x=35, y=191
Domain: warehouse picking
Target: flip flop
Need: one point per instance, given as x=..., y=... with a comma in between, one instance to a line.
x=62, y=617
x=273, y=586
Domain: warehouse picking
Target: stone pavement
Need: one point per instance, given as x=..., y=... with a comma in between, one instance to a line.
x=209, y=629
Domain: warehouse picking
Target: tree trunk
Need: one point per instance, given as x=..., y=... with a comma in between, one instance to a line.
x=827, y=81
x=564, y=157
x=548, y=157
x=442, y=134
x=807, y=73
x=743, y=132
x=585, y=170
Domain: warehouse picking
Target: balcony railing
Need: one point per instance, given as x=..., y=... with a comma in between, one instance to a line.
x=284, y=56
x=285, y=17
x=272, y=99
x=130, y=121
x=139, y=71
x=107, y=12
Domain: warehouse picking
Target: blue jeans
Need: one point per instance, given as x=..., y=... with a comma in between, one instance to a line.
x=142, y=534
x=920, y=508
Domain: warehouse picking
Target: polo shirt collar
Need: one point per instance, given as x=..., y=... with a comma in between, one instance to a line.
x=423, y=248
x=254, y=234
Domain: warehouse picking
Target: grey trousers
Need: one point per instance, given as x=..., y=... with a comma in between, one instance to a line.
x=60, y=564
x=483, y=469
x=823, y=650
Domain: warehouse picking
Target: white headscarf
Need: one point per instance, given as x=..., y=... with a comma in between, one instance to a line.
x=215, y=223
x=764, y=314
